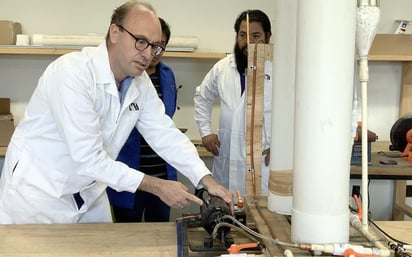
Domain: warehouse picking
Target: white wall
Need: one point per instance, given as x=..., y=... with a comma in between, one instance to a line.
x=212, y=21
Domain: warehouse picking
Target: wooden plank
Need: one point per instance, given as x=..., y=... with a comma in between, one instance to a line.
x=37, y=50
x=258, y=54
x=271, y=225
x=201, y=150
x=392, y=47
x=44, y=50
x=401, y=169
x=276, y=226
x=401, y=230
x=406, y=89
x=400, y=208
x=194, y=55
x=91, y=240
x=385, y=47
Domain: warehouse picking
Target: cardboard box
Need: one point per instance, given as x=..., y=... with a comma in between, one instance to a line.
x=4, y=106
x=8, y=32
x=6, y=131
x=6, y=122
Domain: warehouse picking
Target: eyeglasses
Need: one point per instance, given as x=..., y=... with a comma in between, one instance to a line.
x=141, y=43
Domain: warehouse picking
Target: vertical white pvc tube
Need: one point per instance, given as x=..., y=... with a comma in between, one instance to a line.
x=324, y=87
x=365, y=161
x=283, y=107
x=367, y=19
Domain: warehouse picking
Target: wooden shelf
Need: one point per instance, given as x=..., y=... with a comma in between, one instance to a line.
x=3, y=150
x=32, y=50
x=194, y=55
x=385, y=47
x=35, y=50
x=391, y=47
x=389, y=58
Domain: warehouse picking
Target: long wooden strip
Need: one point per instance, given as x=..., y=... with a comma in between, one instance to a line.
x=258, y=55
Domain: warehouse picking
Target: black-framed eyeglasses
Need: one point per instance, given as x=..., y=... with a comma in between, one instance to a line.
x=141, y=43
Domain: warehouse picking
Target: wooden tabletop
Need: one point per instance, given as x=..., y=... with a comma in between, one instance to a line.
x=273, y=225
x=381, y=153
x=401, y=230
x=120, y=239
x=88, y=240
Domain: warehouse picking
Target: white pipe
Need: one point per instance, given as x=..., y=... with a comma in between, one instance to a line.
x=324, y=75
x=365, y=161
x=367, y=20
x=407, y=247
x=283, y=107
x=288, y=253
x=356, y=108
x=356, y=223
x=339, y=249
x=71, y=40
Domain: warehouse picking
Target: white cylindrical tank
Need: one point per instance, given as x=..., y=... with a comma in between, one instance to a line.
x=283, y=107
x=324, y=86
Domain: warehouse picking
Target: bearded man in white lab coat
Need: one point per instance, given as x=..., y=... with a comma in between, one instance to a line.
x=62, y=155
x=227, y=80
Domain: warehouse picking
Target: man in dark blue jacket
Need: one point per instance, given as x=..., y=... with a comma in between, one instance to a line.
x=136, y=153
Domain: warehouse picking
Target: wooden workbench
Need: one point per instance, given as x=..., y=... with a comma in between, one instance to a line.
x=277, y=226
x=88, y=240
x=136, y=239
x=400, y=173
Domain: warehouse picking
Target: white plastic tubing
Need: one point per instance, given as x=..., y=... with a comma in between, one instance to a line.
x=324, y=88
x=368, y=15
x=283, y=103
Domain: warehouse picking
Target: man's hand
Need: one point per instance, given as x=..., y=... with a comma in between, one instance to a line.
x=211, y=143
x=173, y=193
x=214, y=188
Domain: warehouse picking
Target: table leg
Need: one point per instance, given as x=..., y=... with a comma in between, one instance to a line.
x=398, y=211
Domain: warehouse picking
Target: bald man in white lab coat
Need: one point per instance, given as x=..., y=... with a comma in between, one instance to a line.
x=62, y=154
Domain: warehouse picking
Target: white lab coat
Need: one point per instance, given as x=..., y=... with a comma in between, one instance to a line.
x=223, y=81
x=71, y=133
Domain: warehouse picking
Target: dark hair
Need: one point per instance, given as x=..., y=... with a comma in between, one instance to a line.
x=165, y=29
x=255, y=16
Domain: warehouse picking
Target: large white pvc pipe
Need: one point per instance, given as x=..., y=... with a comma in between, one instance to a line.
x=283, y=107
x=324, y=87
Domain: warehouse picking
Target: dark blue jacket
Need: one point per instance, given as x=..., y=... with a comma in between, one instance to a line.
x=130, y=152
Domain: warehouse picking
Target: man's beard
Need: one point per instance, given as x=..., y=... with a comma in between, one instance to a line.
x=241, y=58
